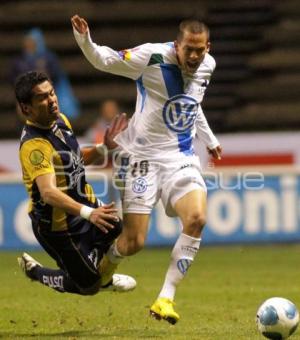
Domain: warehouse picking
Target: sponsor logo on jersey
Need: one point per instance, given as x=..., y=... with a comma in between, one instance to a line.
x=180, y=112
x=36, y=157
x=139, y=185
x=73, y=168
x=125, y=55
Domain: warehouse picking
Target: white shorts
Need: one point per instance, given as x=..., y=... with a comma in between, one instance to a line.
x=144, y=182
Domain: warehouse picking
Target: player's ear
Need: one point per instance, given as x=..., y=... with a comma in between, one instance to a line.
x=208, y=46
x=24, y=109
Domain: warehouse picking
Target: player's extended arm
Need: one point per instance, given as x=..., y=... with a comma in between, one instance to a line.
x=51, y=195
x=102, y=151
x=205, y=133
x=93, y=53
x=124, y=63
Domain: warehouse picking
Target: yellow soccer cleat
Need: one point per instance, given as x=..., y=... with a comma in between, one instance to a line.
x=163, y=309
x=106, y=270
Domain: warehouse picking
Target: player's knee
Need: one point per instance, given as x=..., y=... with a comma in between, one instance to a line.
x=196, y=222
x=135, y=244
x=92, y=290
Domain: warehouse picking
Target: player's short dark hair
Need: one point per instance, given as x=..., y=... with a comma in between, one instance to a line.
x=192, y=26
x=26, y=82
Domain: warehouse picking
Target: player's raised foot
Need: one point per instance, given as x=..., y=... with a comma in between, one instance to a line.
x=27, y=264
x=120, y=283
x=107, y=270
x=163, y=308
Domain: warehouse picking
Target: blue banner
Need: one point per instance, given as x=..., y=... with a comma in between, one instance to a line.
x=240, y=210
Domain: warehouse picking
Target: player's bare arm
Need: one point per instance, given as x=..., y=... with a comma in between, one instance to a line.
x=53, y=196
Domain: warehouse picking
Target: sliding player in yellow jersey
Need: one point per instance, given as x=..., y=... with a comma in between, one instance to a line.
x=68, y=221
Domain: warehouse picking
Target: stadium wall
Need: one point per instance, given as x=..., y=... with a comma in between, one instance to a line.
x=245, y=205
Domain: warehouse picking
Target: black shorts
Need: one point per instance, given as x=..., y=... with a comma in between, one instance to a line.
x=79, y=250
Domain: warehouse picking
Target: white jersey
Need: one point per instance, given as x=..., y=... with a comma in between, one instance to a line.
x=168, y=113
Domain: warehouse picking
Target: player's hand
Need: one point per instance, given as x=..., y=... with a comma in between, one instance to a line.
x=119, y=124
x=79, y=24
x=102, y=216
x=216, y=152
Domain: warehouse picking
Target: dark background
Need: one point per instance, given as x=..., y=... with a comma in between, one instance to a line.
x=255, y=43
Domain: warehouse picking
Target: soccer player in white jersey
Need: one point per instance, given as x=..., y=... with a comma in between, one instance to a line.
x=171, y=80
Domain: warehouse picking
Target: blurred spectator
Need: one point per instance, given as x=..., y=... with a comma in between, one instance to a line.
x=108, y=110
x=36, y=56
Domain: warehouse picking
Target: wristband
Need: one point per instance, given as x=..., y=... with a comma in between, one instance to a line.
x=85, y=212
x=100, y=149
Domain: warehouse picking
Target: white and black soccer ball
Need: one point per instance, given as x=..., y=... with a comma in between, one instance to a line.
x=277, y=318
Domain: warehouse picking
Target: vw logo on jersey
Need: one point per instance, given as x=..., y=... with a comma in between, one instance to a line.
x=180, y=112
x=139, y=185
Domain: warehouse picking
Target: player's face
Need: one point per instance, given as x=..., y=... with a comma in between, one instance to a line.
x=44, y=108
x=191, y=50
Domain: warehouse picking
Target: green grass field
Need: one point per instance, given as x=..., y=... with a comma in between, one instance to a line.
x=217, y=300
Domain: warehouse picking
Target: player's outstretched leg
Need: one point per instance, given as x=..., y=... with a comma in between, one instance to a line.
x=53, y=278
x=129, y=242
x=182, y=256
x=60, y=281
x=183, y=253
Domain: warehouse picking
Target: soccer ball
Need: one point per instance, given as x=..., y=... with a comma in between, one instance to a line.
x=277, y=318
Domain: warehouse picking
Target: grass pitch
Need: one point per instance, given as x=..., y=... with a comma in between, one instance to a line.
x=218, y=299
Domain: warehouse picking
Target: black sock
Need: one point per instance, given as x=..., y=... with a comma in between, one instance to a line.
x=56, y=279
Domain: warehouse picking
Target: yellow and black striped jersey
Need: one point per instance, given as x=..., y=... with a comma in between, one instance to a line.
x=54, y=150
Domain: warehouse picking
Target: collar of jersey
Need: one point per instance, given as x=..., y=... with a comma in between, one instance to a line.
x=28, y=122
